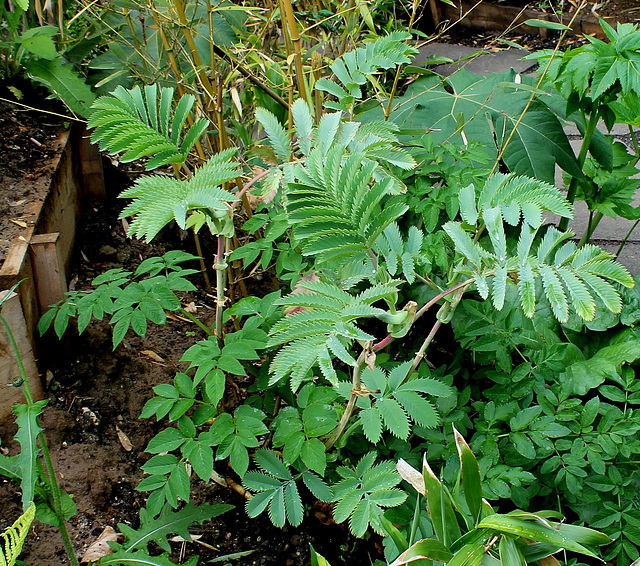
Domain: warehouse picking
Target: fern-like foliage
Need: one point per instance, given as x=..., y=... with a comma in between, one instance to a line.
x=375, y=143
x=394, y=402
x=334, y=198
x=143, y=123
x=320, y=326
x=401, y=256
x=12, y=539
x=571, y=277
x=276, y=490
x=364, y=491
x=158, y=200
x=354, y=68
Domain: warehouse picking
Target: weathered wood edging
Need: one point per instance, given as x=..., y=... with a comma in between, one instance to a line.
x=40, y=256
x=496, y=18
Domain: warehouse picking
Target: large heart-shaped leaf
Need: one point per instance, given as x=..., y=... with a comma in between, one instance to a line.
x=489, y=108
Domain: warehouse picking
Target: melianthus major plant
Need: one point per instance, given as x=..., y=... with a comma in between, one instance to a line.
x=336, y=363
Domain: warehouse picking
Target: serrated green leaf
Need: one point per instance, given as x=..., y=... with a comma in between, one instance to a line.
x=394, y=417
x=27, y=461
x=276, y=134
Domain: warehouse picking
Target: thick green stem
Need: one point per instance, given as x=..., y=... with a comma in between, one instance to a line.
x=355, y=388
x=53, y=480
x=584, y=149
x=594, y=220
x=221, y=272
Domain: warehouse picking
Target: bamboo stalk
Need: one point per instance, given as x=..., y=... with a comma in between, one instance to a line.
x=296, y=40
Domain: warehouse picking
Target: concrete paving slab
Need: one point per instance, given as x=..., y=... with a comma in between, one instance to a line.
x=609, y=229
x=482, y=64
x=617, y=130
x=455, y=52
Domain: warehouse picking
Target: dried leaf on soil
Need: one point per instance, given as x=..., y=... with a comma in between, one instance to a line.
x=100, y=547
x=124, y=440
x=153, y=356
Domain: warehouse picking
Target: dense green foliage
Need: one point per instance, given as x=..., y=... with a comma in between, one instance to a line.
x=378, y=204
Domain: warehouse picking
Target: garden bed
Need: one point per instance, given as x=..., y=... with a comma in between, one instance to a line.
x=92, y=414
x=43, y=170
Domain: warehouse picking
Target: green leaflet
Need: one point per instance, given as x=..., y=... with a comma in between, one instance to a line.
x=12, y=539
x=277, y=491
x=276, y=133
x=353, y=68
x=363, y=493
x=28, y=431
x=137, y=123
x=394, y=403
x=158, y=199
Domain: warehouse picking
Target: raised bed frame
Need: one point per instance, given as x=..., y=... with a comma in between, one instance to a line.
x=496, y=18
x=40, y=256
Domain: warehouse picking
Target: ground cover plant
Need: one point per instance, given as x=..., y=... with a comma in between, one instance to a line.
x=389, y=216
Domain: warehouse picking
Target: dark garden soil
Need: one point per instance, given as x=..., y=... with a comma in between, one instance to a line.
x=28, y=144
x=95, y=398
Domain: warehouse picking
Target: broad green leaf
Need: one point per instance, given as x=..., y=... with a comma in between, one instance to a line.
x=468, y=555
x=440, y=508
x=317, y=559
x=545, y=24
x=534, y=531
x=537, y=145
x=429, y=549
x=471, y=482
x=510, y=555
x=27, y=461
